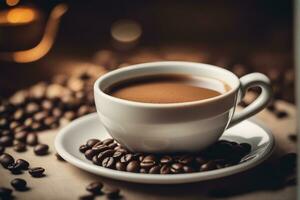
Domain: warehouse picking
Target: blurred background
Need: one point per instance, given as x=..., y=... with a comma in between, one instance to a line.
x=40, y=39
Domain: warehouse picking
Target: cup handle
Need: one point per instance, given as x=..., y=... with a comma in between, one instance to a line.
x=248, y=81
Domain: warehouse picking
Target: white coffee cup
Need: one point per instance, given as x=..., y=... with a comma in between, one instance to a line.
x=176, y=127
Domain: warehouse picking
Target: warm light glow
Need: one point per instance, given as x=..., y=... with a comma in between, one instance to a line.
x=12, y=2
x=20, y=15
x=126, y=31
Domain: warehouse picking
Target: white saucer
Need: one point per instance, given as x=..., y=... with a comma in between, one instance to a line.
x=69, y=139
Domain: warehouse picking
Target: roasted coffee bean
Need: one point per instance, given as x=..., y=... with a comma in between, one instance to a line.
x=14, y=124
x=6, y=159
x=98, y=144
x=22, y=164
x=14, y=168
x=32, y=139
x=121, y=166
x=210, y=165
x=5, y=193
x=35, y=126
x=36, y=172
x=4, y=123
x=111, y=193
x=6, y=141
x=83, y=148
x=148, y=161
x=185, y=159
x=108, y=162
x=188, y=169
x=19, y=184
x=95, y=160
x=2, y=149
x=108, y=141
x=6, y=133
x=41, y=149
x=91, y=142
x=112, y=145
x=176, y=168
x=154, y=170
x=21, y=136
x=105, y=154
x=117, y=154
x=50, y=122
x=166, y=160
x=126, y=158
x=95, y=187
x=31, y=108
x=58, y=157
x=89, y=154
x=83, y=110
x=56, y=112
x=47, y=104
x=20, y=128
x=69, y=115
x=20, y=147
x=133, y=166
x=19, y=115
x=281, y=114
x=100, y=148
x=28, y=122
x=121, y=149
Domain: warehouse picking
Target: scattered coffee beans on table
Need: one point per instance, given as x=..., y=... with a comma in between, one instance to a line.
x=37, y=172
x=110, y=154
x=19, y=184
x=5, y=193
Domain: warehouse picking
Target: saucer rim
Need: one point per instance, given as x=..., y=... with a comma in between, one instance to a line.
x=158, y=178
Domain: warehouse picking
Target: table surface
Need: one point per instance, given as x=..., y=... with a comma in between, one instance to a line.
x=64, y=181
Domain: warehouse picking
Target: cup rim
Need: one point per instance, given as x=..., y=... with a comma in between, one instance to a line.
x=163, y=105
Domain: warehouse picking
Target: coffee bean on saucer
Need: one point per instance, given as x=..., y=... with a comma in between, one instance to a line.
x=31, y=108
x=2, y=149
x=83, y=148
x=176, y=168
x=5, y=193
x=14, y=168
x=6, y=159
x=188, y=169
x=105, y=154
x=121, y=166
x=100, y=148
x=133, y=166
x=89, y=154
x=91, y=142
x=154, y=170
x=32, y=139
x=143, y=171
x=108, y=162
x=20, y=147
x=41, y=149
x=126, y=158
x=19, y=184
x=166, y=160
x=108, y=141
x=19, y=115
x=185, y=159
x=58, y=157
x=22, y=164
x=6, y=141
x=36, y=172
x=148, y=162
x=112, y=145
x=21, y=136
x=165, y=169
x=95, y=187
x=210, y=165
x=111, y=193
x=95, y=160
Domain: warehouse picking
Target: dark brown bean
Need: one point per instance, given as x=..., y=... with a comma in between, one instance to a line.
x=148, y=161
x=14, y=168
x=108, y=141
x=21, y=136
x=133, y=166
x=121, y=166
x=31, y=108
x=20, y=147
x=165, y=169
x=100, y=148
x=89, y=154
x=19, y=115
x=112, y=145
x=36, y=172
x=40, y=116
x=98, y=144
x=28, y=122
x=41, y=149
x=176, y=168
x=47, y=104
x=6, y=141
x=32, y=139
x=117, y=154
x=91, y=142
x=210, y=165
x=105, y=154
x=166, y=159
x=108, y=162
x=188, y=169
x=95, y=160
x=22, y=164
x=6, y=159
x=126, y=158
x=185, y=159
x=83, y=148
x=5, y=193
x=154, y=170
x=19, y=184
x=95, y=187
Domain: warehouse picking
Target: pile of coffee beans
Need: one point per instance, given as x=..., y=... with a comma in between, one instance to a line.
x=109, y=154
x=97, y=189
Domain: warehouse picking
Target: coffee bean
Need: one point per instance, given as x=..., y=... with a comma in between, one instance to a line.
x=56, y=112
x=176, y=168
x=133, y=166
x=4, y=123
x=5, y=193
x=148, y=161
x=188, y=169
x=19, y=184
x=185, y=159
x=210, y=165
x=87, y=197
x=165, y=169
x=166, y=160
x=41, y=149
x=47, y=104
x=32, y=139
x=117, y=154
x=21, y=136
x=126, y=158
x=95, y=187
x=100, y=148
x=6, y=159
x=28, y=122
x=69, y=115
x=2, y=149
x=35, y=126
x=14, y=168
x=19, y=115
x=121, y=166
x=20, y=129
x=112, y=145
x=83, y=110
x=154, y=170
x=31, y=108
x=83, y=148
x=6, y=133
x=144, y=171
x=108, y=162
x=95, y=160
x=50, y=122
x=91, y=142
x=105, y=154
x=89, y=154
x=58, y=157
x=6, y=141
x=22, y=164
x=111, y=193
x=20, y=147
x=36, y=172
x=108, y=141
